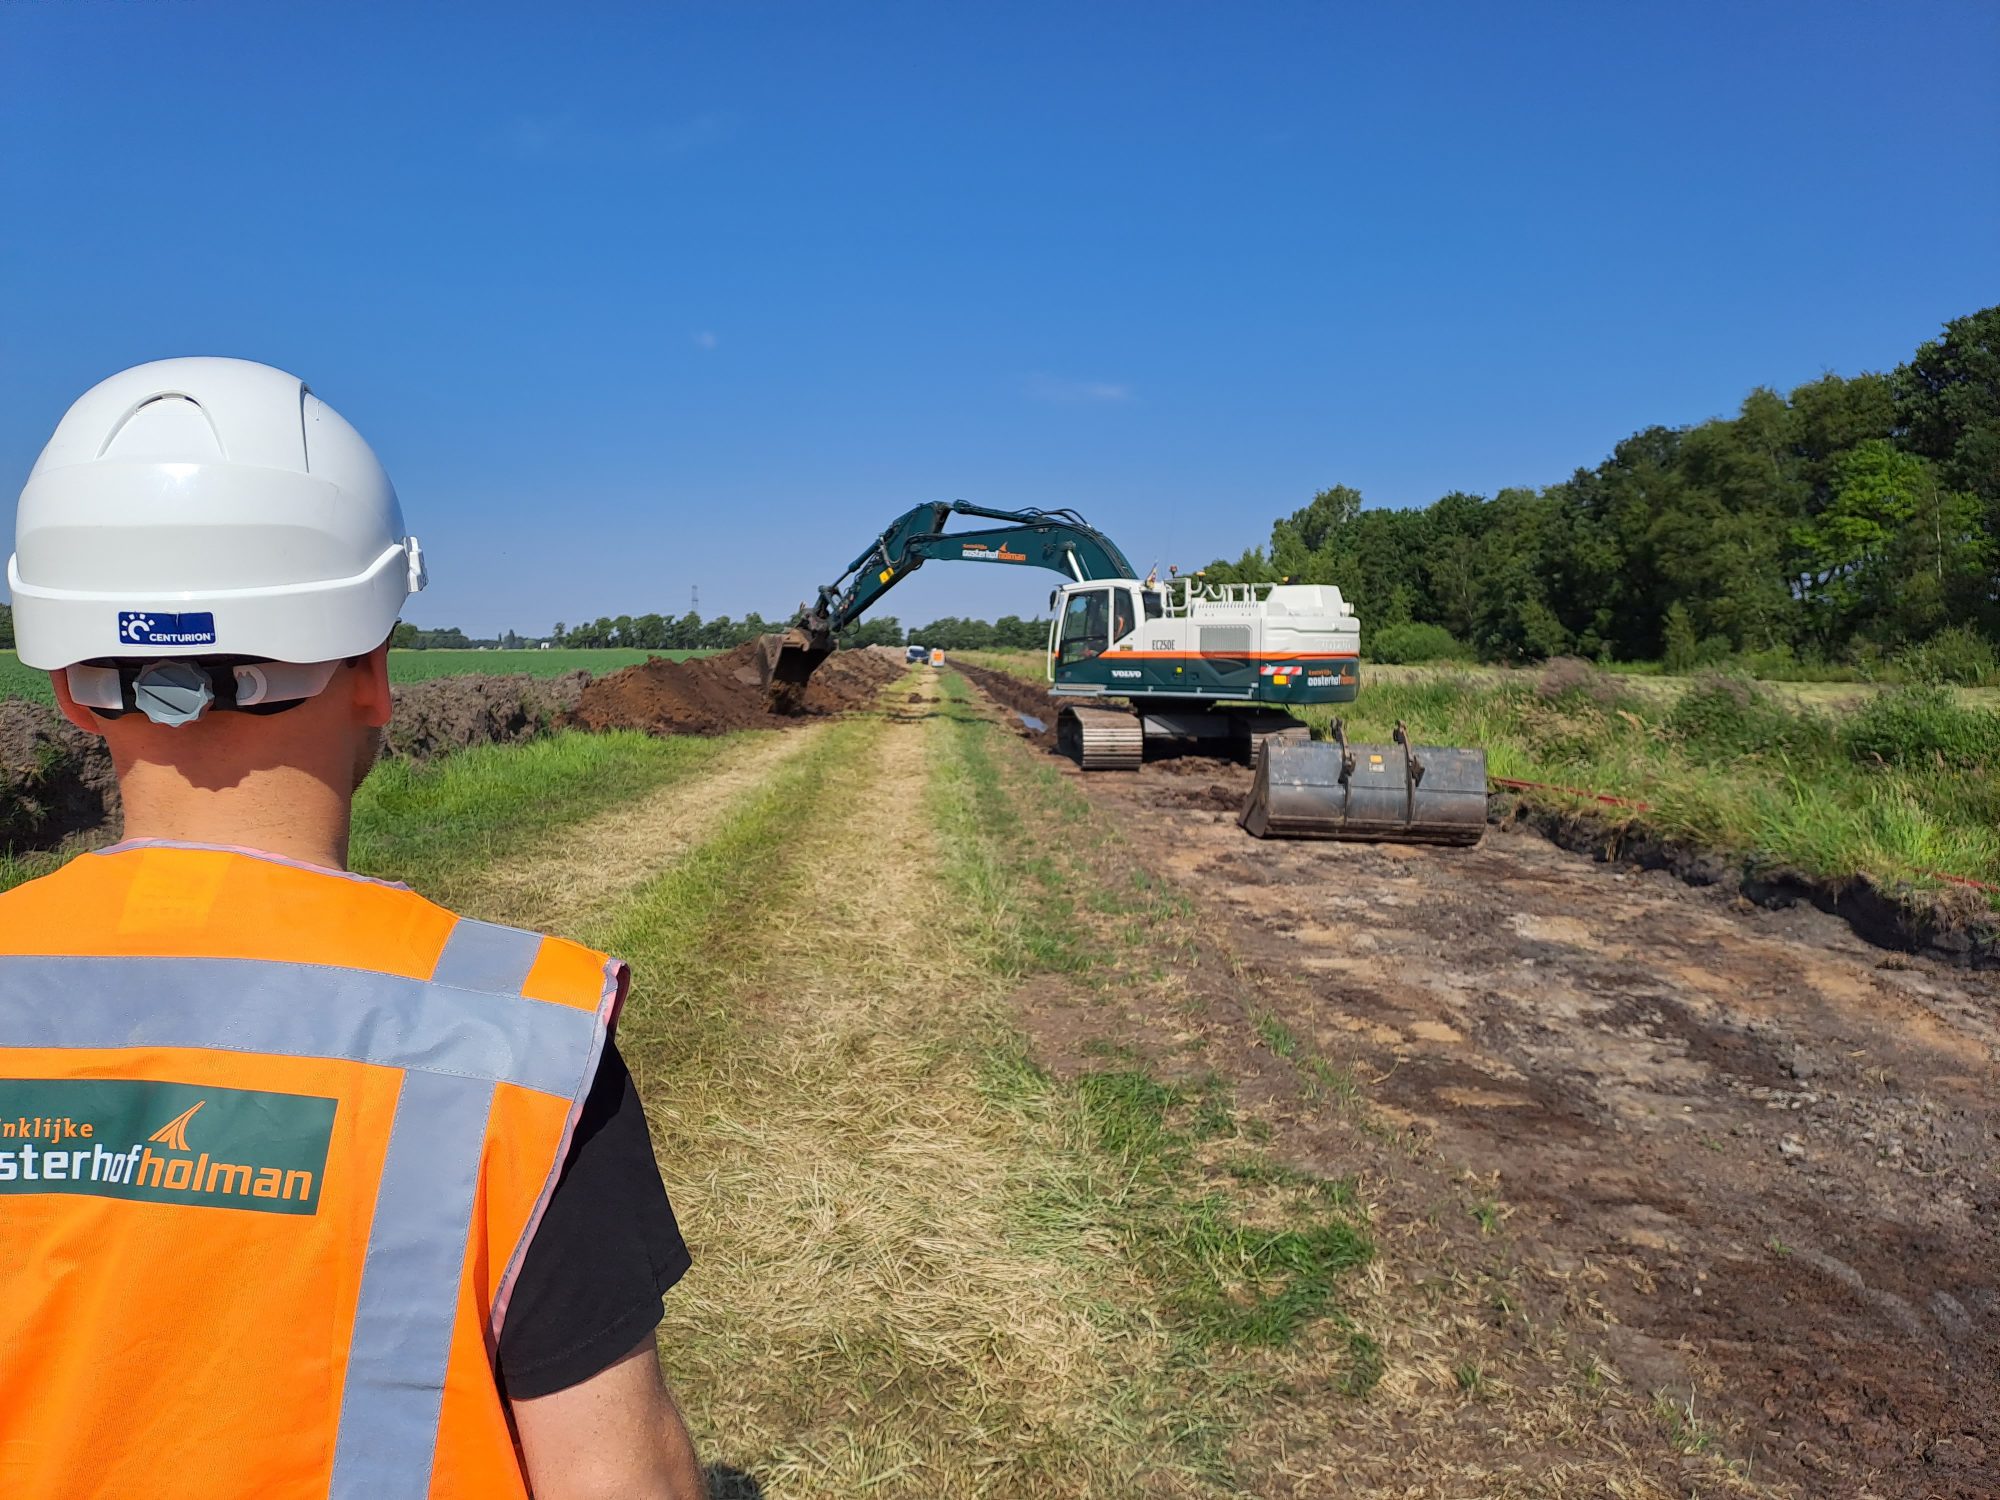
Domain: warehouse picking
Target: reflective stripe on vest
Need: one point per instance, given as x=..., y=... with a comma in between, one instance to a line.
x=454, y=1037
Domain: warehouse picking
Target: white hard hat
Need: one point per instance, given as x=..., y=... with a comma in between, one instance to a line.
x=207, y=507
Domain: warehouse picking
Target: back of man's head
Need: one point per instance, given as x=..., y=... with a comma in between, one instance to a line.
x=208, y=560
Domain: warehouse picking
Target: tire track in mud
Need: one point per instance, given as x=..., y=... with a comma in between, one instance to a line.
x=616, y=852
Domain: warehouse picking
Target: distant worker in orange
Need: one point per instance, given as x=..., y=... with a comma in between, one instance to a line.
x=308, y=1187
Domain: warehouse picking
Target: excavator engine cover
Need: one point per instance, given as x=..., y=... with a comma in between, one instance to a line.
x=1397, y=793
x=785, y=662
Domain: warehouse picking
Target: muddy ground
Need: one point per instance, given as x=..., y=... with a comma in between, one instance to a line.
x=1766, y=1147
x=723, y=693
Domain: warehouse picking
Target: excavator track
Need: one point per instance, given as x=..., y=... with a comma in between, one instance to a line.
x=1259, y=728
x=1102, y=739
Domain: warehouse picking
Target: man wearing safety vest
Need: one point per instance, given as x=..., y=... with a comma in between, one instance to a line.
x=308, y=1187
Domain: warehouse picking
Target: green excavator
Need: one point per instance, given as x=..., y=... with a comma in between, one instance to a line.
x=1218, y=668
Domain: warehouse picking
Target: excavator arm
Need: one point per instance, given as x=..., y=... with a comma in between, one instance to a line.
x=1059, y=540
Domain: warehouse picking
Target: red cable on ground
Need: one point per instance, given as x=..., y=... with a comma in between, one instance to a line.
x=1546, y=786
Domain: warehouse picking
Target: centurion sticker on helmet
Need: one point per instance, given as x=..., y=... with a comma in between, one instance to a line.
x=145, y=628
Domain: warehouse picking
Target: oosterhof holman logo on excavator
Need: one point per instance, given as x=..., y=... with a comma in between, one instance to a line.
x=219, y=1148
x=981, y=552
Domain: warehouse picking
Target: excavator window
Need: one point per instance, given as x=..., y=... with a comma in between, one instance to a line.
x=1122, y=621
x=1084, y=622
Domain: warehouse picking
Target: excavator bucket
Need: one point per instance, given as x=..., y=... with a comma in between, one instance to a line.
x=1397, y=793
x=785, y=661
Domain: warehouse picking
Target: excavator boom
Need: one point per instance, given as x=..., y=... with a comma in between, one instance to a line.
x=1059, y=540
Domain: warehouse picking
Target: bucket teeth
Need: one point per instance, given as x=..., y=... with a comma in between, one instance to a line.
x=786, y=661
x=1395, y=793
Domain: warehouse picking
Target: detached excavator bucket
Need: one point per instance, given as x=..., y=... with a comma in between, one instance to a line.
x=785, y=661
x=1397, y=793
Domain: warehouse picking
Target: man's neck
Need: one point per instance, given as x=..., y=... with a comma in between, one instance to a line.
x=278, y=810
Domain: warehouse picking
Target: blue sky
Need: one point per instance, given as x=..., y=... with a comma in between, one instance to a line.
x=633, y=299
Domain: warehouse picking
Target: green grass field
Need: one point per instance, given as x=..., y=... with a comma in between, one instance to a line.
x=17, y=681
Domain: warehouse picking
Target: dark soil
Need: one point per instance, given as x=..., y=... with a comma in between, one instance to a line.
x=453, y=713
x=1955, y=926
x=55, y=780
x=723, y=694
x=1765, y=1147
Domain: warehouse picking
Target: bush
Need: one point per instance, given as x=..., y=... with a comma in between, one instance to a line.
x=1733, y=716
x=1410, y=642
x=1923, y=726
x=1573, y=678
x=1960, y=656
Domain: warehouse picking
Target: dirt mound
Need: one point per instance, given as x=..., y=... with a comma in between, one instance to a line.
x=451, y=713
x=722, y=694
x=55, y=780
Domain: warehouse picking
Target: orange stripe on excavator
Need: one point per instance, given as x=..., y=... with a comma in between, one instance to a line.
x=1240, y=655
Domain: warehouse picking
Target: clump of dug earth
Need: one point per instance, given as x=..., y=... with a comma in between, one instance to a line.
x=453, y=713
x=722, y=694
x=55, y=780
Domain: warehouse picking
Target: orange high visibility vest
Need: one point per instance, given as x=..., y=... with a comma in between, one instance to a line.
x=273, y=1143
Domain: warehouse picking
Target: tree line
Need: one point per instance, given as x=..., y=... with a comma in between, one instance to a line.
x=1852, y=519
x=692, y=632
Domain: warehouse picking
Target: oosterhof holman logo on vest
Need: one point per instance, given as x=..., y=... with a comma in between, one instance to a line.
x=157, y=1142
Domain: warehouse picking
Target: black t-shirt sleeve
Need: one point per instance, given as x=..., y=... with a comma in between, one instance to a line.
x=605, y=1253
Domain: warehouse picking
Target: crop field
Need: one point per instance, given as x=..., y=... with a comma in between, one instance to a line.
x=17, y=681
x=1042, y=1134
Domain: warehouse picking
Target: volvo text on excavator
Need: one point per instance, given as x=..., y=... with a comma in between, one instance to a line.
x=1218, y=666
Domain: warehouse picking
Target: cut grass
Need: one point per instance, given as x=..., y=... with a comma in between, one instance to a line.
x=439, y=825
x=862, y=1318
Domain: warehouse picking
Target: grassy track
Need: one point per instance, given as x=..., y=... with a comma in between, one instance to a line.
x=439, y=826
x=926, y=1268
x=17, y=681
x=926, y=1265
